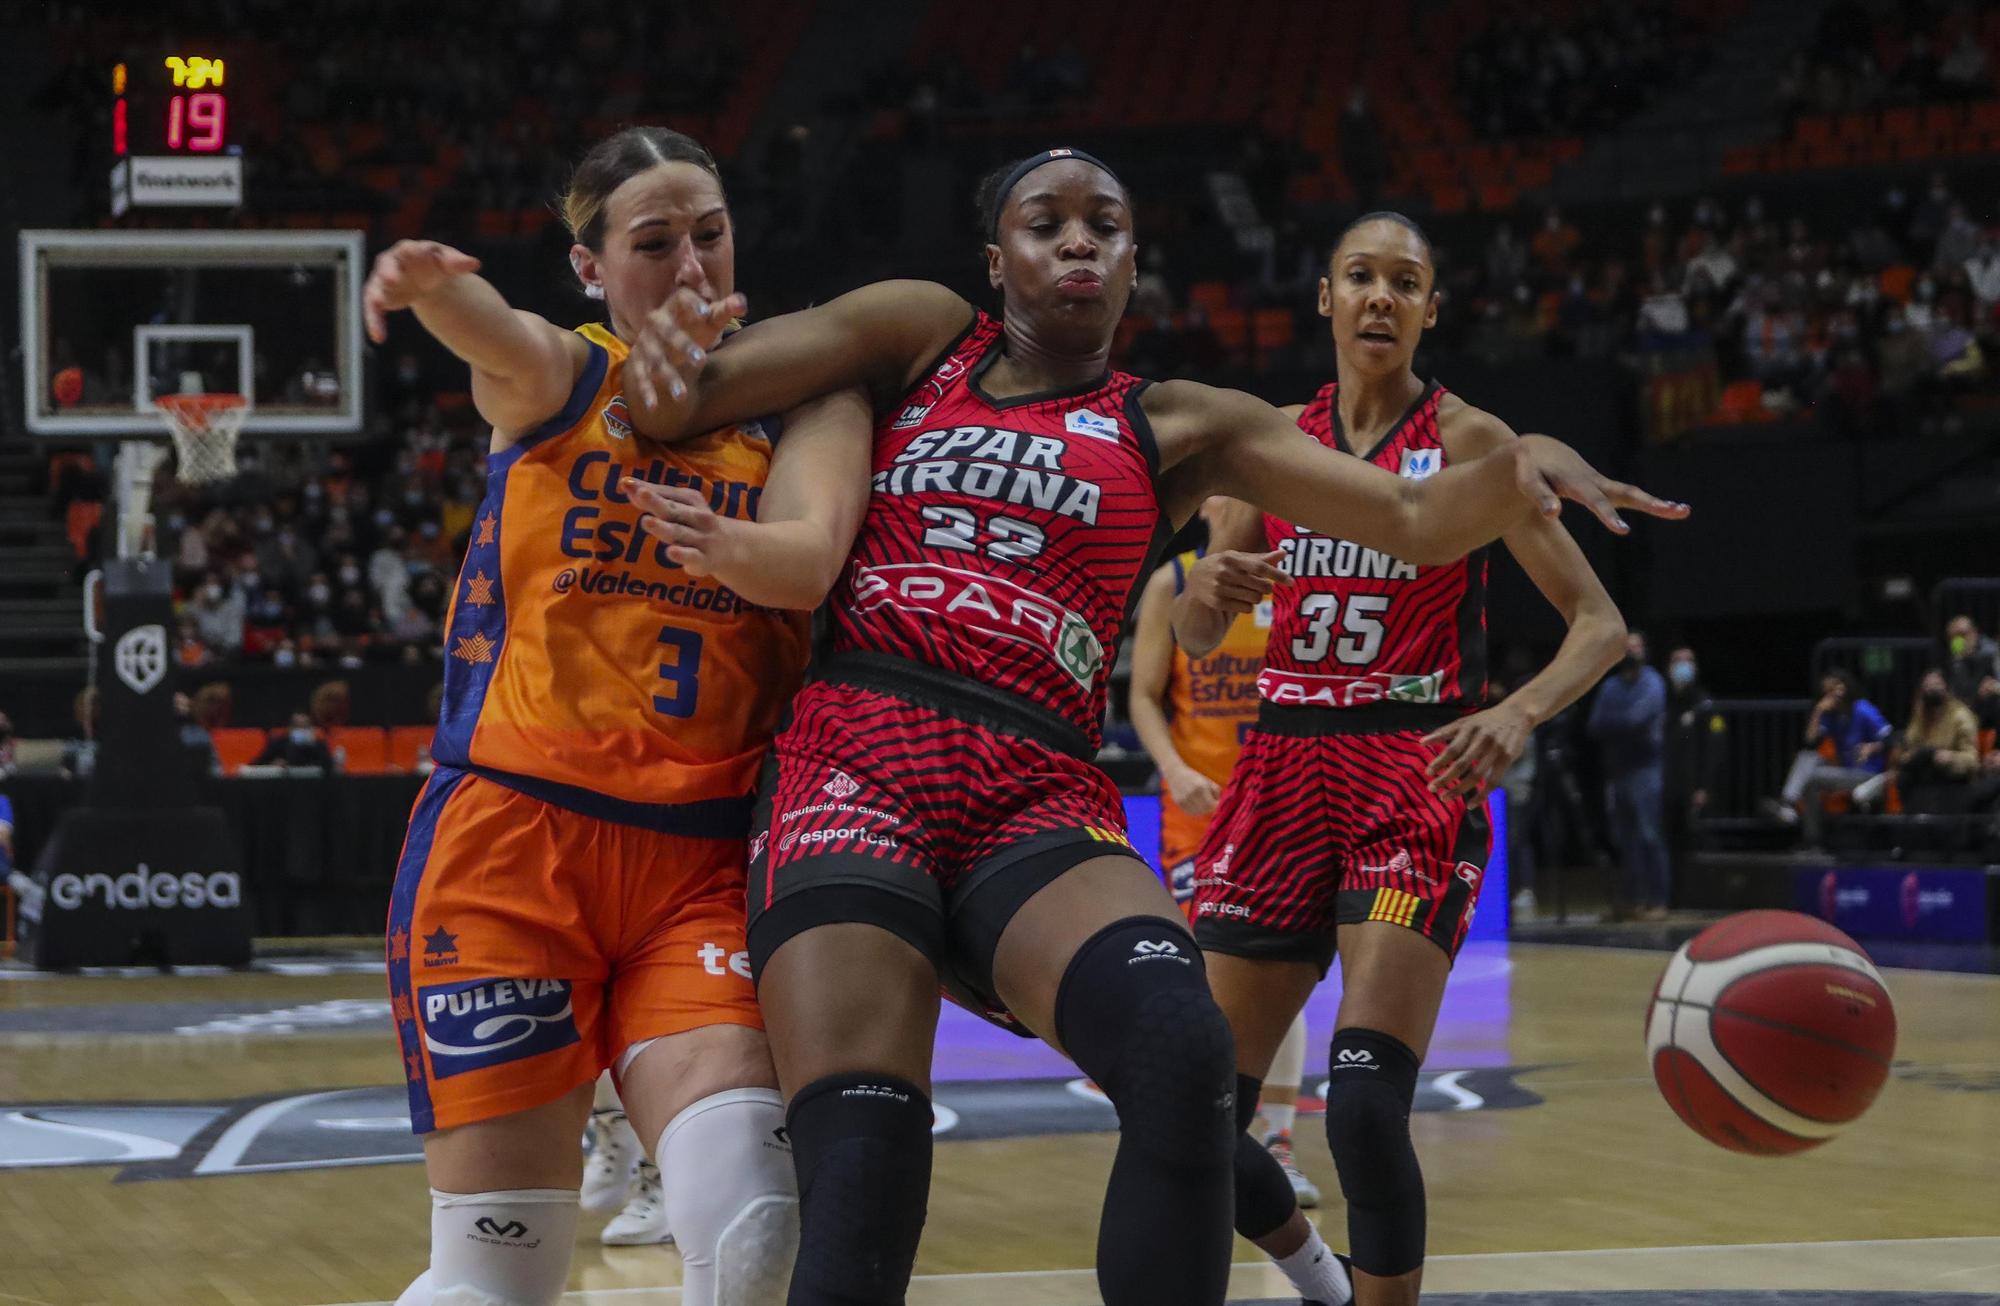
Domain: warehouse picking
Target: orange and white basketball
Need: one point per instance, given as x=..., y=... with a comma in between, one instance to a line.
x=1769, y=1032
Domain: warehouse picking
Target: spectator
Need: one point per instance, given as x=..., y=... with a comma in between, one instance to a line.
x=79, y=755
x=1858, y=735
x=1628, y=721
x=1975, y=658
x=332, y=705
x=1554, y=244
x=1939, y=752
x=9, y=761
x=6, y=836
x=1363, y=154
x=218, y=616
x=213, y=705
x=298, y=745
x=196, y=742
x=1695, y=743
x=1519, y=785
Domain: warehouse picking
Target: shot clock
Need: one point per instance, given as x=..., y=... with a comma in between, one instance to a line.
x=170, y=134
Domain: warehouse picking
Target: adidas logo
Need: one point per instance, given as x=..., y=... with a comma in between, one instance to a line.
x=842, y=785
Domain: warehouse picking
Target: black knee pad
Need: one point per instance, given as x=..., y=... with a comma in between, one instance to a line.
x=1134, y=1011
x=861, y=1144
x=1371, y=1080
x=1264, y=1196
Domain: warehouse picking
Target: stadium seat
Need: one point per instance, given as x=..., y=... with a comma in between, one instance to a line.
x=237, y=746
x=363, y=750
x=408, y=746
x=1210, y=297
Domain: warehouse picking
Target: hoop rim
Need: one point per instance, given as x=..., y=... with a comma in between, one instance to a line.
x=202, y=403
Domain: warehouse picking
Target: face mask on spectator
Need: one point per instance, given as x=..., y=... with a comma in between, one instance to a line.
x=302, y=736
x=285, y=656
x=319, y=593
x=350, y=575
x=211, y=593
x=1933, y=698
x=1681, y=673
x=313, y=491
x=384, y=519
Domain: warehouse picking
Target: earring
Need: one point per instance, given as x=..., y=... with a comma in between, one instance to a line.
x=593, y=292
x=576, y=265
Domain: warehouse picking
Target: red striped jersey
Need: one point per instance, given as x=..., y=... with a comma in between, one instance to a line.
x=1358, y=626
x=1005, y=539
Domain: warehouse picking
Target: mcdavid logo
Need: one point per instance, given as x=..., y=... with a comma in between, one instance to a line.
x=1355, y=1059
x=478, y=1023
x=1156, y=950
x=511, y=1232
x=140, y=889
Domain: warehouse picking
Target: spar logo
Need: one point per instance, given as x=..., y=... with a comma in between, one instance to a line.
x=478, y=1023
x=988, y=604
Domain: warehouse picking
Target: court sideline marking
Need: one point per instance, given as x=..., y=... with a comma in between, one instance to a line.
x=995, y=1276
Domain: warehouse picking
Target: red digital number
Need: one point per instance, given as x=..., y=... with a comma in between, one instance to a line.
x=118, y=138
x=197, y=121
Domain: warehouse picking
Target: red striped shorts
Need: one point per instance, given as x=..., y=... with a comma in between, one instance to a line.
x=1326, y=822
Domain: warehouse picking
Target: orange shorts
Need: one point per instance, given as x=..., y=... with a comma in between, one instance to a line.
x=530, y=945
x=1180, y=839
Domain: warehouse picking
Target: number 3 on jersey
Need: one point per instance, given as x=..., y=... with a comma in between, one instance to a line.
x=682, y=674
x=1363, y=627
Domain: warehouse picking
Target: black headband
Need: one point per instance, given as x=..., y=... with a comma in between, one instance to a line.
x=1028, y=165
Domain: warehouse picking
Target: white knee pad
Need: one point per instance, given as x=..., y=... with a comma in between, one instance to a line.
x=1289, y=1064
x=497, y=1249
x=732, y=1200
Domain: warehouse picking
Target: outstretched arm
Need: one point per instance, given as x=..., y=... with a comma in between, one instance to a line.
x=1478, y=749
x=874, y=338
x=812, y=505
x=522, y=365
x=1241, y=446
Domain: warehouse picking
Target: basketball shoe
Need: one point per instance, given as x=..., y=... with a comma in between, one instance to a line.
x=644, y=1219
x=612, y=1168
x=1280, y=1148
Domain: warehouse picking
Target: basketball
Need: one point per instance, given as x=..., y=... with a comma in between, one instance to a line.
x=67, y=386
x=1769, y=1031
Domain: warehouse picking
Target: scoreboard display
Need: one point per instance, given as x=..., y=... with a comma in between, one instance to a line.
x=170, y=134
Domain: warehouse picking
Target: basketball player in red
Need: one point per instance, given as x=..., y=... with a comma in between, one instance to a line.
x=1354, y=821
x=570, y=896
x=931, y=811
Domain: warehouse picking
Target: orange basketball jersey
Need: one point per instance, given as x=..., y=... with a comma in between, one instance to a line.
x=584, y=667
x=1211, y=701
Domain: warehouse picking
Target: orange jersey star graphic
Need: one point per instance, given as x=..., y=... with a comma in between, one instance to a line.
x=479, y=590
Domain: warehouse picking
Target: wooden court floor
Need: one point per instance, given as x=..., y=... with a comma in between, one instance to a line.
x=170, y=1139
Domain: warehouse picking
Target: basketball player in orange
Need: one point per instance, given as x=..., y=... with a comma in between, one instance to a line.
x=570, y=896
x=1354, y=820
x=1191, y=714
x=930, y=812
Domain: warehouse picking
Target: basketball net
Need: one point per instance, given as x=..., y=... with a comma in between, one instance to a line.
x=204, y=428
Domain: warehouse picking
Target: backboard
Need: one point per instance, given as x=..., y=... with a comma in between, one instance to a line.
x=112, y=319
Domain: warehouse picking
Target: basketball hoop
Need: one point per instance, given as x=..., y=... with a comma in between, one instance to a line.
x=204, y=427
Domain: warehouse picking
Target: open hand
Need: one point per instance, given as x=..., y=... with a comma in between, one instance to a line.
x=1475, y=751
x=673, y=343
x=404, y=273
x=697, y=537
x=1551, y=471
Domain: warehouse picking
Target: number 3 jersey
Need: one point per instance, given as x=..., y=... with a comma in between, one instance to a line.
x=1005, y=539
x=1358, y=627
x=584, y=667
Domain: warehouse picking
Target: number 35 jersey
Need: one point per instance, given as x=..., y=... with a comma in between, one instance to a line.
x=584, y=667
x=1005, y=539
x=1357, y=626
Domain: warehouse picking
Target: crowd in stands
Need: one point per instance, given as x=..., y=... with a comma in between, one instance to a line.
x=1898, y=312
x=1529, y=75
x=334, y=563
x=1867, y=56
x=1944, y=759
